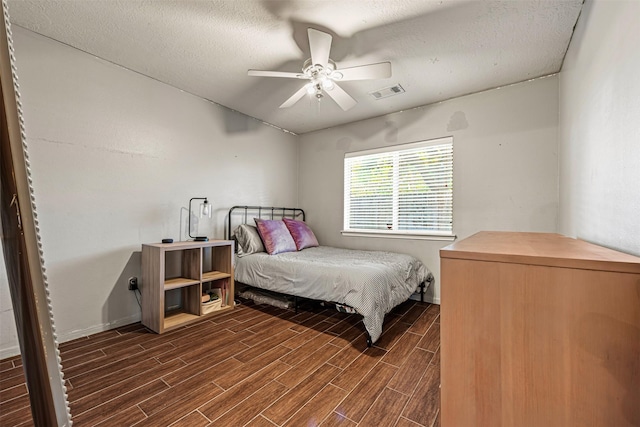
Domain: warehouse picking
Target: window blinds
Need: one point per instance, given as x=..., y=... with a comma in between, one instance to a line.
x=406, y=188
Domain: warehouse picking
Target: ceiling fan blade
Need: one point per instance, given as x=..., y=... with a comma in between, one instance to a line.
x=320, y=46
x=294, y=98
x=259, y=73
x=381, y=70
x=342, y=98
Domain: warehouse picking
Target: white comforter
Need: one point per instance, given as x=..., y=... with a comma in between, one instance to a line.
x=372, y=282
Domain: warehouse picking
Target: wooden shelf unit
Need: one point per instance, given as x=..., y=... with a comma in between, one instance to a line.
x=188, y=268
x=538, y=329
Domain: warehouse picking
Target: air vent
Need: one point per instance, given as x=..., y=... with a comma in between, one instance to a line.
x=387, y=92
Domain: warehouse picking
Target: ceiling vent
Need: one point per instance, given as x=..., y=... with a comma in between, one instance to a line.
x=387, y=92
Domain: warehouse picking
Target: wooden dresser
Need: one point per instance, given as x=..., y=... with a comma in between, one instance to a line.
x=539, y=330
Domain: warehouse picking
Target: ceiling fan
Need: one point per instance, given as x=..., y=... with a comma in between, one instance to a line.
x=323, y=75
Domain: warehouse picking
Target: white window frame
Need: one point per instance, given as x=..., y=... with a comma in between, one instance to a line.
x=394, y=233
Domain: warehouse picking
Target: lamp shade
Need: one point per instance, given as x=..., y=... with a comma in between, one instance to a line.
x=204, y=211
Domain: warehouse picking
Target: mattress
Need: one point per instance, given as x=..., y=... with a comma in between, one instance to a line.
x=372, y=282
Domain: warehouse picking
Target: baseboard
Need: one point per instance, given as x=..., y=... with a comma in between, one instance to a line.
x=416, y=297
x=9, y=352
x=79, y=333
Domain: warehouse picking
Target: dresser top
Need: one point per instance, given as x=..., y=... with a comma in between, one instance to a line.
x=545, y=249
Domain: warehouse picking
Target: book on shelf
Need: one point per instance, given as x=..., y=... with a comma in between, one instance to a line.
x=223, y=285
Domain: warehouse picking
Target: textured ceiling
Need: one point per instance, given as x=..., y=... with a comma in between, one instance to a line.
x=438, y=49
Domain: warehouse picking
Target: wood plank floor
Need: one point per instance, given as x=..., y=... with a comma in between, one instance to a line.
x=256, y=366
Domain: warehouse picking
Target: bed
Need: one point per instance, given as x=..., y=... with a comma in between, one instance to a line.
x=371, y=283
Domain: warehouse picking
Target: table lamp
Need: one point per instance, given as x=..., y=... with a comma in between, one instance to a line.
x=205, y=210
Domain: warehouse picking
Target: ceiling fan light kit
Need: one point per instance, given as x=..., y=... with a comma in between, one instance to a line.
x=321, y=78
x=323, y=74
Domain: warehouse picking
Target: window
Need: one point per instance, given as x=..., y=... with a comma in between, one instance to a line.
x=400, y=190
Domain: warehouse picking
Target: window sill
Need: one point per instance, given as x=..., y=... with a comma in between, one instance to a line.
x=398, y=235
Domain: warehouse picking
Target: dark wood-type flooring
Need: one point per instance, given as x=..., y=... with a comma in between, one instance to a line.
x=255, y=366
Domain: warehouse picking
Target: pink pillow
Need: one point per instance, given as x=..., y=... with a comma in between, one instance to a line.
x=301, y=233
x=275, y=236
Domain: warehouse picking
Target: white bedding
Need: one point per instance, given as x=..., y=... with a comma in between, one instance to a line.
x=372, y=282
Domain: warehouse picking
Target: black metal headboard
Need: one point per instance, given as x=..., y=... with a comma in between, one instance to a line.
x=270, y=212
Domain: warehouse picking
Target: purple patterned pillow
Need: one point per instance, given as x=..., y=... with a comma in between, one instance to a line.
x=301, y=233
x=275, y=236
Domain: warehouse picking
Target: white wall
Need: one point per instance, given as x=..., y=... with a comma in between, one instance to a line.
x=115, y=158
x=600, y=127
x=505, y=165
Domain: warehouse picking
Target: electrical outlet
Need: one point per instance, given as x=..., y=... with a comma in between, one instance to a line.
x=133, y=283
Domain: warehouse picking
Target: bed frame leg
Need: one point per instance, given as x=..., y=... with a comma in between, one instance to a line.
x=422, y=292
x=369, y=342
